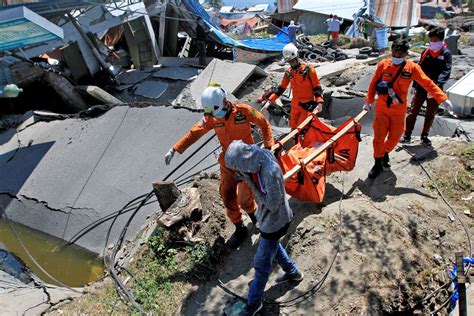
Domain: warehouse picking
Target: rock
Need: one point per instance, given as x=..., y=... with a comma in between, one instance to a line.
x=442, y=232
x=437, y=258
x=341, y=81
x=203, y=175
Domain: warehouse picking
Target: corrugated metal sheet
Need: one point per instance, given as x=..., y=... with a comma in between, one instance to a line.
x=343, y=8
x=394, y=13
x=54, y=8
x=285, y=5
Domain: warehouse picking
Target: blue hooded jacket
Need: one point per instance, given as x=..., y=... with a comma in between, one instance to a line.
x=273, y=211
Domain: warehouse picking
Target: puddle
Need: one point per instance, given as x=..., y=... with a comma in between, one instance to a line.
x=72, y=265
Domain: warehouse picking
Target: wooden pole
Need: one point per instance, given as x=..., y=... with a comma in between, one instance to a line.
x=461, y=283
x=294, y=132
x=166, y=192
x=326, y=145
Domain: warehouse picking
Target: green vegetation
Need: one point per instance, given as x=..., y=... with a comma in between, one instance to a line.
x=439, y=16
x=358, y=42
x=164, y=271
x=459, y=181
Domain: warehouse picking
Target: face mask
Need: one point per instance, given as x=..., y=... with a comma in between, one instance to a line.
x=397, y=61
x=220, y=114
x=436, y=45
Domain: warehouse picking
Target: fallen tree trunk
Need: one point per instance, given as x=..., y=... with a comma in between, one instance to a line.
x=187, y=206
x=166, y=192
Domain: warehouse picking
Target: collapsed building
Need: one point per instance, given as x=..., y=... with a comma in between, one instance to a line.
x=125, y=53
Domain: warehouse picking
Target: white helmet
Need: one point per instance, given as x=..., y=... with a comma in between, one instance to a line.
x=290, y=52
x=212, y=100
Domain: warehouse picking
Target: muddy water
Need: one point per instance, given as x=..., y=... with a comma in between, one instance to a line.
x=71, y=265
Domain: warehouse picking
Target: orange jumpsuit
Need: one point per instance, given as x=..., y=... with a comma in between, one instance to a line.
x=306, y=87
x=389, y=122
x=236, y=126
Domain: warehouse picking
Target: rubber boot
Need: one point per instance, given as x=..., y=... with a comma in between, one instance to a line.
x=376, y=169
x=254, y=222
x=238, y=236
x=406, y=139
x=386, y=161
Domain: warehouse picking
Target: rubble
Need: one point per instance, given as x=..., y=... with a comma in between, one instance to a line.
x=67, y=168
x=151, y=89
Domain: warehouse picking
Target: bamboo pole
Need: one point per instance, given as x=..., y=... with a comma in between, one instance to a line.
x=293, y=133
x=326, y=145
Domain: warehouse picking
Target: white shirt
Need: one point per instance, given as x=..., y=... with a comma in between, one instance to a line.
x=328, y=22
x=335, y=25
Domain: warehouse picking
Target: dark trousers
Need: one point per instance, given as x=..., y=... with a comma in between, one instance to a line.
x=202, y=52
x=431, y=108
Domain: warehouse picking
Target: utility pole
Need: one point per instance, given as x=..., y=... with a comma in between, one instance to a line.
x=161, y=31
x=461, y=283
x=410, y=15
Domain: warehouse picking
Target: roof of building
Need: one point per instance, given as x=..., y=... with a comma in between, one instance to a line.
x=393, y=13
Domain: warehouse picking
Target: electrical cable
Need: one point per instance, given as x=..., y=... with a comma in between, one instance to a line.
x=316, y=286
x=445, y=201
x=122, y=290
x=197, y=163
x=435, y=312
x=27, y=252
x=93, y=169
x=189, y=177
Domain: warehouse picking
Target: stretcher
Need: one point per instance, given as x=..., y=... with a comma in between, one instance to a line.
x=319, y=150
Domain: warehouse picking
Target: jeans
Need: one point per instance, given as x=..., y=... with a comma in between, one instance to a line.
x=267, y=251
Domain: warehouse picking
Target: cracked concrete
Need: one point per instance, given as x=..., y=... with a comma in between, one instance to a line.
x=77, y=173
x=30, y=299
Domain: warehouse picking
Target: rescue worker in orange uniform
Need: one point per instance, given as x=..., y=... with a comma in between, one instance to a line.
x=230, y=122
x=391, y=82
x=307, y=91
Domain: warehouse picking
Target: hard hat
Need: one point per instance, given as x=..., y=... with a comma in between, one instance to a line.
x=290, y=52
x=212, y=99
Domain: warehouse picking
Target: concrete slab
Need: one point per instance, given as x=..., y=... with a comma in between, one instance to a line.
x=177, y=61
x=27, y=299
x=123, y=87
x=132, y=76
x=230, y=75
x=78, y=172
x=177, y=73
x=363, y=83
x=335, y=68
x=151, y=89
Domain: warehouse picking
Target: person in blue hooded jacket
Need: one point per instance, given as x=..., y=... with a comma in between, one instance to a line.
x=259, y=168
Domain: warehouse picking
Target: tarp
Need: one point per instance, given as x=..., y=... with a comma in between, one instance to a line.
x=310, y=183
x=272, y=44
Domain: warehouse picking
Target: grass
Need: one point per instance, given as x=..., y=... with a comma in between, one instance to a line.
x=459, y=181
x=165, y=272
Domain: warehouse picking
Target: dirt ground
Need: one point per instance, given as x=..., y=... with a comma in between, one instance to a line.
x=392, y=237
x=390, y=240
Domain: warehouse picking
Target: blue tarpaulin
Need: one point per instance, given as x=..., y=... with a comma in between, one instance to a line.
x=272, y=44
